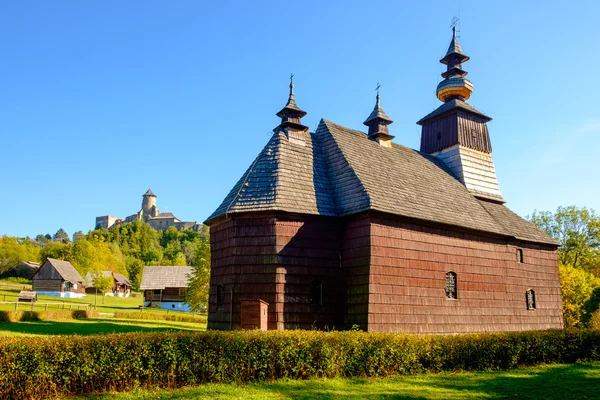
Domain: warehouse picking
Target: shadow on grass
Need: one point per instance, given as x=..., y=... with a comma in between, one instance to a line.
x=577, y=381
x=83, y=327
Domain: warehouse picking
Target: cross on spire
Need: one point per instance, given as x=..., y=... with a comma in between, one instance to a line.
x=291, y=79
x=377, y=88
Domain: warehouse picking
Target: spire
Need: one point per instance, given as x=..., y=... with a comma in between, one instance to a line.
x=454, y=85
x=149, y=193
x=291, y=114
x=378, y=122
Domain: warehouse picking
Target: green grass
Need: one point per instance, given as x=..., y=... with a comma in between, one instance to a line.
x=111, y=304
x=576, y=381
x=93, y=326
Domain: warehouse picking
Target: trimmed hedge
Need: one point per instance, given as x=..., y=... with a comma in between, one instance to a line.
x=78, y=365
x=145, y=315
x=51, y=315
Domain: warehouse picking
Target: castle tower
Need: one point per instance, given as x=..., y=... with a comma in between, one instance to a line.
x=378, y=123
x=457, y=132
x=149, y=205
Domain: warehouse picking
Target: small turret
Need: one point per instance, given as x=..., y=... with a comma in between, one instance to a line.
x=378, y=123
x=291, y=114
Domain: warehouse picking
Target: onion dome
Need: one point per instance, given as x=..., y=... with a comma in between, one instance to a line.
x=291, y=114
x=454, y=85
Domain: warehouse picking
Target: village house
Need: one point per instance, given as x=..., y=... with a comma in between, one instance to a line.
x=165, y=287
x=24, y=269
x=121, y=286
x=339, y=228
x=58, y=278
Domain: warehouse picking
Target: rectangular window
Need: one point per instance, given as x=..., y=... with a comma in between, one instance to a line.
x=451, y=292
x=519, y=255
x=316, y=293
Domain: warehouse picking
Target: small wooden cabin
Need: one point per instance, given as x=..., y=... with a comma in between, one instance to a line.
x=165, y=287
x=121, y=286
x=58, y=278
x=24, y=269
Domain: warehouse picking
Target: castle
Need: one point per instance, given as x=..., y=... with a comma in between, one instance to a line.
x=150, y=214
x=340, y=228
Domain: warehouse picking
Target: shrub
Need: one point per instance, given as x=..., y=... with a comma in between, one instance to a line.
x=178, y=317
x=51, y=315
x=78, y=365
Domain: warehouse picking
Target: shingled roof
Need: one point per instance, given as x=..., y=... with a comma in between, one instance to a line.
x=159, y=277
x=337, y=171
x=65, y=269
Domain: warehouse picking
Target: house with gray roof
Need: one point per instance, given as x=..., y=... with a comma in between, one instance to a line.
x=165, y=287
x=121, y=286
x=58, y=278
x=341, y=228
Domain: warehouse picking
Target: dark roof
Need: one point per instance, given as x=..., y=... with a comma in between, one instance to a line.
x=121, y=279
x=449, y=106
x=149, y=193
x=291, y=105
x=66, y=270
x=377, y=113
x=339, y=171
x=158, y=277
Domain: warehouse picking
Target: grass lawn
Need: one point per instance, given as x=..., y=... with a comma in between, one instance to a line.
x=576, y=381
x=93, y=326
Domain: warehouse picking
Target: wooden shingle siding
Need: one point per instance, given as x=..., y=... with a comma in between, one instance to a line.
x=244, y=259
x=47, y=285
x=407, y=289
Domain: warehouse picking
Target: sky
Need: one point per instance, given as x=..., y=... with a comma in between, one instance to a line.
x=101, y=100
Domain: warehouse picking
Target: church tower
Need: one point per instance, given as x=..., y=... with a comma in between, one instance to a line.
x=457, y=132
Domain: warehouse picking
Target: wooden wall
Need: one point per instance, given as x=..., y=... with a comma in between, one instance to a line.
x=46, y=285
x=244, y=261
x=407, y=289
x=380, y=274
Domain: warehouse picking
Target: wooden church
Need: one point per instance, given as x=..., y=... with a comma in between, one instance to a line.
x=339, y=228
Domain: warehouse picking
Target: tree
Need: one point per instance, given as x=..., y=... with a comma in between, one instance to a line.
x=578, y=232
x=61, y=236
x=101, y=283
x=577, y=287
x=13, y=251
x=42, y=239
x=197, y=293
x=78, y=236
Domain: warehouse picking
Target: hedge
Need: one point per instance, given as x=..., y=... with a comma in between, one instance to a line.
x=41, y=367
x=51, y=315
x=146, y=315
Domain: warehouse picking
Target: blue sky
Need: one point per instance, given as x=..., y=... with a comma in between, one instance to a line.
x=101, y=100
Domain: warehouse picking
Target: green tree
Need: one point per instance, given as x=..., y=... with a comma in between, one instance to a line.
x=60, y=251
x=61, y=236
x=197, y=294
x=78, y=236
x=13, y=251
x=101, y=283
x=578, y=232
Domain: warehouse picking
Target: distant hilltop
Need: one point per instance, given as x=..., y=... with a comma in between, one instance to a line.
x=150, y=214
